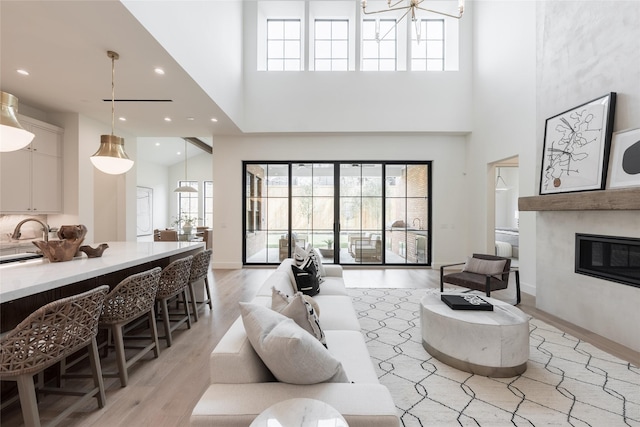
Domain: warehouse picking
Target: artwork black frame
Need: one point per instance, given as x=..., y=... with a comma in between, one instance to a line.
x=575, y=155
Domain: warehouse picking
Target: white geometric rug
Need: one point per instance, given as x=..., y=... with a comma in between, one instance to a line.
x=567, y=382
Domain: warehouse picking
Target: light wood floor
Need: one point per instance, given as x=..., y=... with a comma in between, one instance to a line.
x=163, y=391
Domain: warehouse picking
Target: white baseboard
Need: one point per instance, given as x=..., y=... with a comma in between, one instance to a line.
x=528, y=288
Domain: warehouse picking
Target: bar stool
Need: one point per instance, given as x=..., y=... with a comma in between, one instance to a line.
x=174, y=281
x=133, y=298
x=200, y=271
x=48, y=335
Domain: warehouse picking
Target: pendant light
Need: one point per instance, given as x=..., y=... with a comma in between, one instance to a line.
x=501, y=185
x=185, y=188
x=111, y=157
x=12, y=136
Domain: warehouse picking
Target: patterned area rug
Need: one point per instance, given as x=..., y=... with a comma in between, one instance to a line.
x=567, y=383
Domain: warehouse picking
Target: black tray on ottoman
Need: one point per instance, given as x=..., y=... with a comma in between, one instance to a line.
x=466, y=302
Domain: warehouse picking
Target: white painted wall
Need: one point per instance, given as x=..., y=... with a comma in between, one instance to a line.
x=595, y=52
x=306, y=101
x=205, y=38
x=156, y=177
x=504, y=66
x=450, y=203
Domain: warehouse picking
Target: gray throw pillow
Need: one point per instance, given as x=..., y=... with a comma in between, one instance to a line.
x=291, y=353
x=485, y=266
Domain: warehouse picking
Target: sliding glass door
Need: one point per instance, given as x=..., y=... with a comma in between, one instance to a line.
x=361, y=209
x=312, y=206
x=407, y=212
x=352, y=212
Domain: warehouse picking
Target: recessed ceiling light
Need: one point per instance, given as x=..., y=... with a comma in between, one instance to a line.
x=167, y=119
x=178, y=153
x=190, y=119
x=157, y=144
x=159, y=71
x=214, y=120
x=122, y=119
x=23, y=72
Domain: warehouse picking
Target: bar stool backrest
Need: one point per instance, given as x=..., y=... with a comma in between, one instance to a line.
x=200, y=265
x=51, y=333
x=174, y=277
x=133, y=297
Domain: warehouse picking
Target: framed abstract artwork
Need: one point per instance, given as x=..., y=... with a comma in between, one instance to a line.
x=624, y=167
x=575, y=156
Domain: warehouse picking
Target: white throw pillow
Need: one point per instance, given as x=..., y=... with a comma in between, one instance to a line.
x=299, y=255
x=300, y=310
x=315, y=257
x=291, y=353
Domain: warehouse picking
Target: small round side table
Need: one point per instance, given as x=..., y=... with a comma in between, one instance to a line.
x=300, y=412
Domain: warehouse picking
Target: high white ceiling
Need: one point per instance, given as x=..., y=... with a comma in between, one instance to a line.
x=63, y=45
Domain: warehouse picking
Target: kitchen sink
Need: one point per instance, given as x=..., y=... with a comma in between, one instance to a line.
x=24, y=256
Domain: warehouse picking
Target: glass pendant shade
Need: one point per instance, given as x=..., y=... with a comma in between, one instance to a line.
x=110, y=157
x=185, y=189
x=12, y=136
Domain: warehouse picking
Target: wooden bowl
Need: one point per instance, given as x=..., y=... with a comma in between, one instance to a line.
x=59, y=250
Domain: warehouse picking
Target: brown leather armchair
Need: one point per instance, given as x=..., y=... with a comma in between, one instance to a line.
x=478, y=274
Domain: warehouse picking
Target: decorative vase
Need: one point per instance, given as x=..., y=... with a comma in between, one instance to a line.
x=187, y=227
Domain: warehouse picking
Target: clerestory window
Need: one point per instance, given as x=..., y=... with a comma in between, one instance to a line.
x=379, y=45
x=331, y=45
x=427, y=45
x=284, y=45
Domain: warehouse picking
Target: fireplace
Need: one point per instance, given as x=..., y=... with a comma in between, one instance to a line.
x=610, y=258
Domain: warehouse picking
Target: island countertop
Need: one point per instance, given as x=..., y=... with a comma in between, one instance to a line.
x=22, y=279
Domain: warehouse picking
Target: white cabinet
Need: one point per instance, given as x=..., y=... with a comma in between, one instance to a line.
x=31, y=178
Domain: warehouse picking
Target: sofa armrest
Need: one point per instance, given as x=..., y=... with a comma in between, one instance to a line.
x=362, y=405
x=333, y=270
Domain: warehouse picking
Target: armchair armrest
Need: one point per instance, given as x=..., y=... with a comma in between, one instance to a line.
x=451, y=265
x=509, y=271
x=442, y=267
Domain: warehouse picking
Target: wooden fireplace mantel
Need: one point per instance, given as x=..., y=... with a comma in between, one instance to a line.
x=619, y=199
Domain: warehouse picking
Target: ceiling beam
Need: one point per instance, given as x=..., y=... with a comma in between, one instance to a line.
x=199, y=143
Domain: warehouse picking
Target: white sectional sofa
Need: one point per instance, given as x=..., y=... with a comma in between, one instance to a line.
x=242, y=386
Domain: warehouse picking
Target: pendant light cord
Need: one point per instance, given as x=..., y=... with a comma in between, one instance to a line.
x=113, y=93
x=185, y=162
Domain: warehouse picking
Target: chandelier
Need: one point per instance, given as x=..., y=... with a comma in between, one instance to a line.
x=411, y=7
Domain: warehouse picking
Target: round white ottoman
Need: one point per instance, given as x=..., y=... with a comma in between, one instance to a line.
x=490, y=343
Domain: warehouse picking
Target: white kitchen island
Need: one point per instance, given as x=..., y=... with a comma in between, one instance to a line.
x=26, y=286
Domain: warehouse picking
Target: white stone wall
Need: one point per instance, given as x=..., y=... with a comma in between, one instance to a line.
x=585, y=50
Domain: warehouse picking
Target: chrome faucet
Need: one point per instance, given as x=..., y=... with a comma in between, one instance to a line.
x=45, y=229
x=419, y=223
